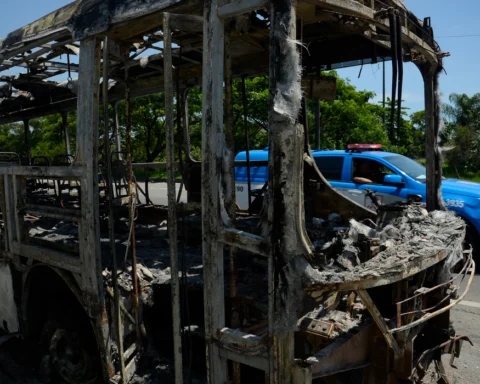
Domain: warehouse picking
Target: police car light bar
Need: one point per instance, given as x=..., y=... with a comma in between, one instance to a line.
x=364, y=147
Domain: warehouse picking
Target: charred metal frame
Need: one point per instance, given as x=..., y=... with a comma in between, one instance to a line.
x=285, y=245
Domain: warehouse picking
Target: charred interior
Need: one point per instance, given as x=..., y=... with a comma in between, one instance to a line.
x=304, y=285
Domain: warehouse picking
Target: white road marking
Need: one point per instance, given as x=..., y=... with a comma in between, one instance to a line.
x=470, y=303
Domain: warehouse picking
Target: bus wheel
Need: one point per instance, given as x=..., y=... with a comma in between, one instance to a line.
x=66, y=358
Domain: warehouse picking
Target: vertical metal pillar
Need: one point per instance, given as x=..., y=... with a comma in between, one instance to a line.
x=212, y=159
x=400, y=77
x=66, y=136
x=87, y=157
x=432, y=155
x=393, y=43
x=317, y=124
x=28, y=151
x=172, y=206
x=285, y=192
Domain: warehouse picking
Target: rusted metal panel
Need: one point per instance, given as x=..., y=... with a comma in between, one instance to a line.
x=317, y=327
x=380, y=321
x=324, y=88
x=343, y=354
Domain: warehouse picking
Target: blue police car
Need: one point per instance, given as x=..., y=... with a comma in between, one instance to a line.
x=365, y=166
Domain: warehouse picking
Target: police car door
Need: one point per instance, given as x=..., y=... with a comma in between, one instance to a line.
x=335, y=168
x=386, y=194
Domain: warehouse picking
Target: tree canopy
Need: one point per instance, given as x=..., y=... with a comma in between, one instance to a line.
x=462, y=131
x=352, y=117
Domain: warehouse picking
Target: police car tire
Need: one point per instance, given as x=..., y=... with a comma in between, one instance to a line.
x=472, y=238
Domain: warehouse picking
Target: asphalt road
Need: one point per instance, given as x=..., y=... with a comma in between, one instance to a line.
x=466, y=320
x=158, y=193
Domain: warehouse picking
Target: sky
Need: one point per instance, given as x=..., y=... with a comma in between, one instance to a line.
x=449, y=19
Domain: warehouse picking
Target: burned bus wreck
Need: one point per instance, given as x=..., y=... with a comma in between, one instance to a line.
x=309, y=286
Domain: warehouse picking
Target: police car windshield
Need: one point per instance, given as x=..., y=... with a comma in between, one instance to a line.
x=410, y=167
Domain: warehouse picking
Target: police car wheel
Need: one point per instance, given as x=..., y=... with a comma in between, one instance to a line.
x=472, y=239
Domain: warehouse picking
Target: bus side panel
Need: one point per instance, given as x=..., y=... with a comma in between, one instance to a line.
x=8, y=309
x=258, y=178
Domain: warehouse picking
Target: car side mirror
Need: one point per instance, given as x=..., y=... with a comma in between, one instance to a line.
x=394, y=180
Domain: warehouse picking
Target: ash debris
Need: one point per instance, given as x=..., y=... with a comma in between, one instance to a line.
x=366, y=249
x=152, y=250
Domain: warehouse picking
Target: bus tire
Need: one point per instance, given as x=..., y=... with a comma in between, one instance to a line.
x=65, y=357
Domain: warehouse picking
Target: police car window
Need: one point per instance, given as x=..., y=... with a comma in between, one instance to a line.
x=331, y=167
x=370, y=169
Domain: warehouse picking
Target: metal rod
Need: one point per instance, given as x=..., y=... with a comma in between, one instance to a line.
x=186, y=133
x=431, y=315
x=172, y=211
x=393, y=42
x=111, y=218
x=400, y=77
x=384, y=94
x=317, y=119
x=28, y=152
x=131, y=203
x=118, y=136
x=317, y=124
x=247, y=144
x=432, y=197
x=178, y=97
x=122, y=307
x=304, y=115
x=65, y=132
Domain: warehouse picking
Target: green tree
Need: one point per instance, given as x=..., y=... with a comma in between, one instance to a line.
x=350, y=118
x=12, y=138
x=463, y=127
